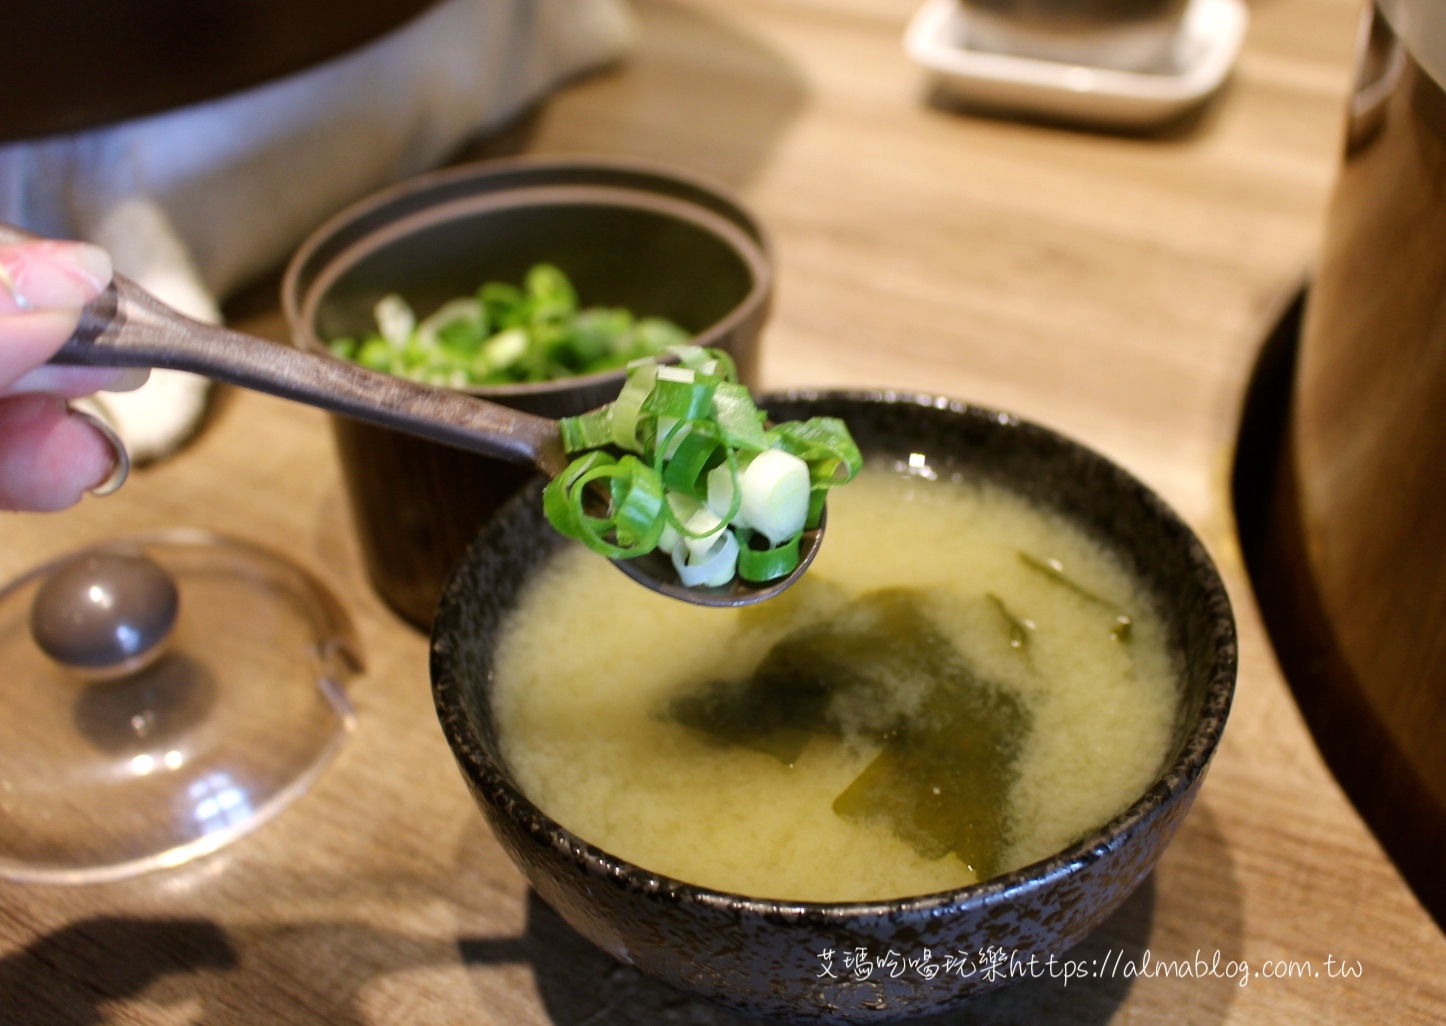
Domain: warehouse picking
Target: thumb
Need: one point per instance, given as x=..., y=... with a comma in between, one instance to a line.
x=43, y=285
x=47, y=275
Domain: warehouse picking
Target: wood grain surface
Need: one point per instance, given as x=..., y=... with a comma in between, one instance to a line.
x=1113, y=287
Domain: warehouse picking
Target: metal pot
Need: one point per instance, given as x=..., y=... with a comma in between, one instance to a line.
x=76, y=64
x=1353, y=581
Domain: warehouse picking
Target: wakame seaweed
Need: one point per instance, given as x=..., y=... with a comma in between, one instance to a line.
x=1121, y=623
x=878, y=669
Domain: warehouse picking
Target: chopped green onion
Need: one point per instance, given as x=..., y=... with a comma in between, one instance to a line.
x=504, y=350
x=504, y=334
x=824, y=443
x=635, y=522
x=637, y=502
x=703, y=530
x=375, y=353
x=592, y=430
x=395, y=320
x=724, y=497
x=678, y=515
x=775, y=492
x=714, y=568
x=686, y=469
x=556, y=503
x=760, y=565
x=627, y=408
x=701, y=477
x=550, y=290
x=740, y=420
x=816, y=499
x=461, y=320
x=671, y=396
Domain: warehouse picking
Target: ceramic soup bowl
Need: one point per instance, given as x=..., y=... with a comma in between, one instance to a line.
x=762, y=957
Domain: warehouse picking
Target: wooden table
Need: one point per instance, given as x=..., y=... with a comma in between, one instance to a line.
x=1115, y=288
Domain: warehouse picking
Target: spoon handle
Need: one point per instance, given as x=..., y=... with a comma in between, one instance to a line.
x=126, y=326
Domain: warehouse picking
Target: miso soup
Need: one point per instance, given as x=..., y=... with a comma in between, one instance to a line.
x=961, y=685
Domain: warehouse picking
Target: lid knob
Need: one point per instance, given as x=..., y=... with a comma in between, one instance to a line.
x=105, y=615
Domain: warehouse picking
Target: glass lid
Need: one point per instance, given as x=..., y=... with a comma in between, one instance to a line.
x=161, y=696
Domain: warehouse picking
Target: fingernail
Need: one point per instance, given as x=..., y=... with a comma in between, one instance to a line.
x=54, y=275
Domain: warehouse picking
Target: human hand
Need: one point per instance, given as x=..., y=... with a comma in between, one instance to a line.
x=49, y=457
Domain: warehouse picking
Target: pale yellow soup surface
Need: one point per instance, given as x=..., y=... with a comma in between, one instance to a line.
x=589, y=659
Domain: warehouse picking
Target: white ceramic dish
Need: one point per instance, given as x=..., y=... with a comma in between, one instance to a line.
x=1199, y=59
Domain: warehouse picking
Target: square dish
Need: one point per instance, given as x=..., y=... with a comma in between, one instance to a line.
x=1204, y=51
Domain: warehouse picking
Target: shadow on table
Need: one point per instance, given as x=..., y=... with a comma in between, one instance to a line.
x=1191, y=902
x=579, y=984
x=1189, y=124
x=69, y=975
x=318, y=971
x=310, y=972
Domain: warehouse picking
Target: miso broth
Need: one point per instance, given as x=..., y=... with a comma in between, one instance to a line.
x=961, y=685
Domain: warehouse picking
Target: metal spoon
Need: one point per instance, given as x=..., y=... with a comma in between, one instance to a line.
x=126, y=326
x=105, y=615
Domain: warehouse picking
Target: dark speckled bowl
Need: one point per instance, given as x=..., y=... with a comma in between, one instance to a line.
x=762, y=957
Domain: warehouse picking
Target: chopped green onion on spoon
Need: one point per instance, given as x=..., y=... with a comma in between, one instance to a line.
x=689, y=465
